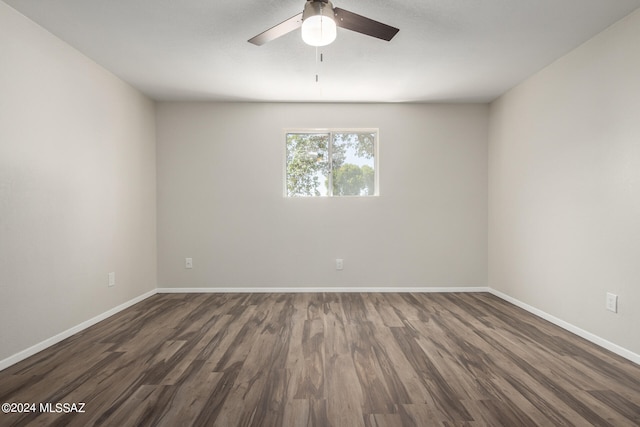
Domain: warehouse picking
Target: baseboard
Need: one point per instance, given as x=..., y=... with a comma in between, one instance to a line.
x=620, y=351
x=316, y=289
x=11, y=360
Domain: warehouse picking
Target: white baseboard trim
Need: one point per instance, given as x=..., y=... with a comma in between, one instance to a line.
x=620, y=351
x=350, y=289
x=11, y=360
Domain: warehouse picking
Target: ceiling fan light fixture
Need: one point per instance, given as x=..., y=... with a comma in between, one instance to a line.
x=318, y=26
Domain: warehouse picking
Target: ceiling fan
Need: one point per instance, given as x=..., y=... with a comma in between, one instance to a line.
x=319, y=21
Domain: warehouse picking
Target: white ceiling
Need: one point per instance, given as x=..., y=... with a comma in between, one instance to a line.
x=446, y=50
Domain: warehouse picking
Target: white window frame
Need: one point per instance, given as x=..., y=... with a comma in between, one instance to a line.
x=331, y=132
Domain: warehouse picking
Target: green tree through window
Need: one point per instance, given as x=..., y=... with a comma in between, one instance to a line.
x=334, y=163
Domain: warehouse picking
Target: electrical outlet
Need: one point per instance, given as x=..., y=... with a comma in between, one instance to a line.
x=112, y=279
x=188, y=263
x=612, y=302
x=339, y=264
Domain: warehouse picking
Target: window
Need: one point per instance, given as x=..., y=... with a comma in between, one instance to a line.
x=331, y=163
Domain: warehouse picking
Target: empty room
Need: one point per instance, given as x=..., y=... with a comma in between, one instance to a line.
x=316, y=213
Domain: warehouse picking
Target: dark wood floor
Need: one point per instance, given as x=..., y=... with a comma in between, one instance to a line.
x=326, y=360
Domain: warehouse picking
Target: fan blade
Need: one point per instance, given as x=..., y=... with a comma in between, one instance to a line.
x=360, y=24
x=279, y=30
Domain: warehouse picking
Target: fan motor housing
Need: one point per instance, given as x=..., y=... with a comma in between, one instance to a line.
x=317, y=7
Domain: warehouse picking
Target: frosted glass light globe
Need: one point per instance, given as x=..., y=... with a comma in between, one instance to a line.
x=318, y=30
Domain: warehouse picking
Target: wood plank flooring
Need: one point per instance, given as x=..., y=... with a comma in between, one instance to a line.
x=325, y=359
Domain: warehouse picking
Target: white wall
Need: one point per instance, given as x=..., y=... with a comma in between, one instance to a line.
x=220, y=199
x=564, y=187
x=77, y=187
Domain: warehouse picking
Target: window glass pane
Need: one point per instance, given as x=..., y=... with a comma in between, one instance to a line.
x=353, y=164
x=307, y=164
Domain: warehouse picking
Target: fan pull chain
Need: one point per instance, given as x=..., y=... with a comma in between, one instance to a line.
x=317, y=66
x=320, y=55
